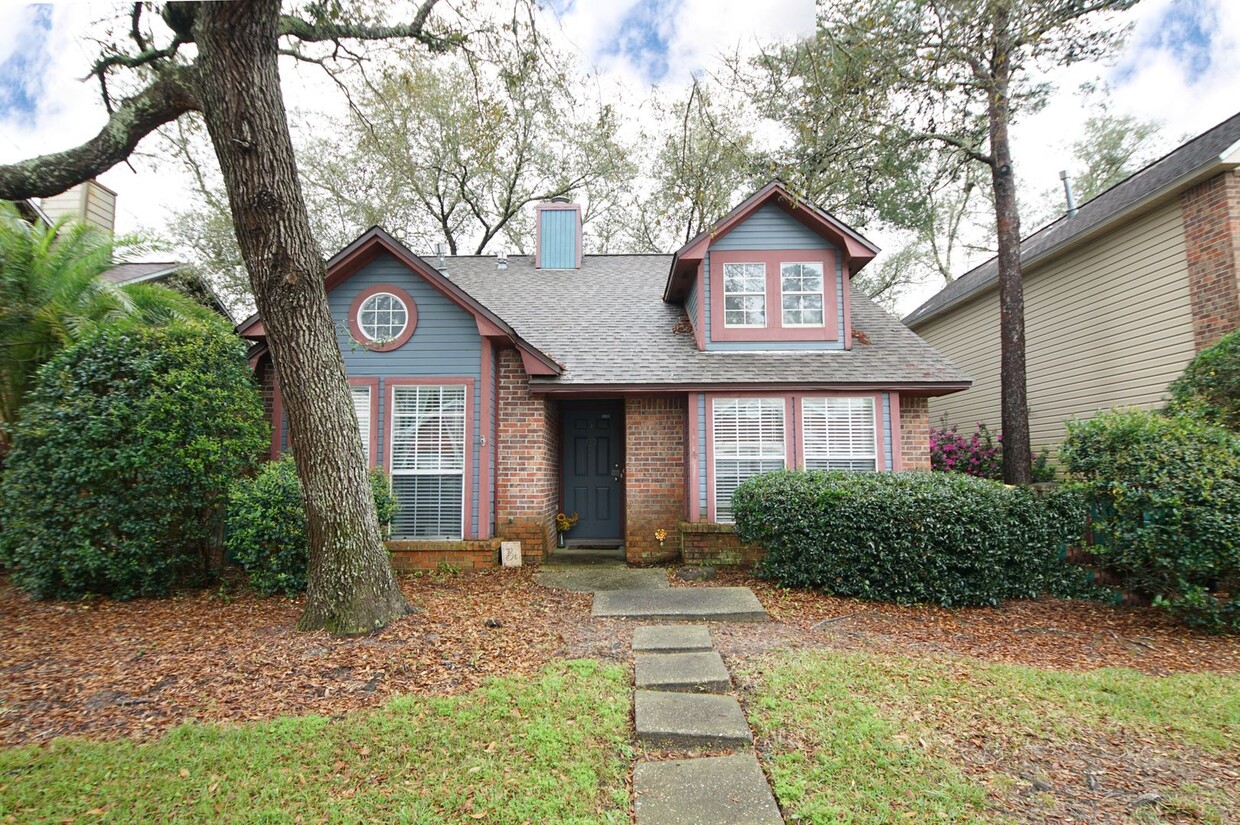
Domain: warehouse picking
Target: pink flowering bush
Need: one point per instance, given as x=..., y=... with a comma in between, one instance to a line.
x=978, y=454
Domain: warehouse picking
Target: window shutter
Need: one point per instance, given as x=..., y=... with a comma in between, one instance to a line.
x=361, y=408
x=839, y=434
x=748, y=440
x=428, y=460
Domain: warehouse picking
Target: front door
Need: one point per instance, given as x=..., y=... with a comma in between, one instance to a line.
x=593, y=458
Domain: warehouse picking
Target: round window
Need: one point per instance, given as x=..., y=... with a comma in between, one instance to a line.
x=382, y=317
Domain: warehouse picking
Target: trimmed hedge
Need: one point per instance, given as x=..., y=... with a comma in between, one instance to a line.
x=122, y=457
x=1164, y=492
x=938, y=538
x=1209, y=388
x=266, y=531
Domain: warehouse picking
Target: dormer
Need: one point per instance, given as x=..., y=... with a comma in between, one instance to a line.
x=772, y=274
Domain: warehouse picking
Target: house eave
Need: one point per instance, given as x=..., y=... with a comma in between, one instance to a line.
x=538, y=387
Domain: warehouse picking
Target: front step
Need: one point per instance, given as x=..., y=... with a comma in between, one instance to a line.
x=719, y=790
x=684, y=672
x=711, y=604
x=671, y=638
x=686, y=720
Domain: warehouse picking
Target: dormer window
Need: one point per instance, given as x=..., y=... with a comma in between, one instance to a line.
x=744, y=294
x=801, y=288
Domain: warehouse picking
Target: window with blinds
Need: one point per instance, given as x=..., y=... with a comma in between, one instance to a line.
x=839, y=434
x=361, y=408
x=428, y=461
x=748, y=440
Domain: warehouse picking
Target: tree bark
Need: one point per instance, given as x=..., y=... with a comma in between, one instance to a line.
x=1014, y=410
x=351, y=586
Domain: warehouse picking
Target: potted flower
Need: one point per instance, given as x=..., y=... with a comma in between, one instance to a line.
x=563, y=524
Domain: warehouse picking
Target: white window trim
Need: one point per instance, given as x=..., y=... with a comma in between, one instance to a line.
x=822, y=293
x=827, y=455
x=389, y=338
x=363, y=426
x=465, y=457
x=721, y=514
x=766, y=314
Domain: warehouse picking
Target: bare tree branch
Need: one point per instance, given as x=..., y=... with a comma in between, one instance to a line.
x=172, y=94
x=308, y=32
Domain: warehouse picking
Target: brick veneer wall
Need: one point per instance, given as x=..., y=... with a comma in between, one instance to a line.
x=915, y=432
x=654, y=476
x=408, y=556
x=527, y=462
x=1211, y=212
x=716, y=544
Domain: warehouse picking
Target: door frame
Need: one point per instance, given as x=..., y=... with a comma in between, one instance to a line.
x=615, y=406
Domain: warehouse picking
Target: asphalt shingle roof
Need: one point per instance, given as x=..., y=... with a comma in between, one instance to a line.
x=1160, y=174
x=607, y=325
x=131, y=272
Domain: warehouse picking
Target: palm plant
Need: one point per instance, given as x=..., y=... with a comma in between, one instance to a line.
x=51, y=295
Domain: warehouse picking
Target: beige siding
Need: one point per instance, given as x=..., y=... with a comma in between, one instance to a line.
x=1106, y=326
x=87, y=202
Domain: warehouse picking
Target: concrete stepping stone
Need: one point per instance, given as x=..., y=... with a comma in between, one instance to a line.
x=671, y=638
x=717, y=790
x=593, y=578
x=685, y=672
x=717, y=604
x=688, y=720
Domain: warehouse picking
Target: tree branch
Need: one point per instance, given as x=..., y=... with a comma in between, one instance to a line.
x=308, y=32
x=921, y=137
x=172, y=94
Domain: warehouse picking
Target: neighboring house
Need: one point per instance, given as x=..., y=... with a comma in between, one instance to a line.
x=1118, y=296
x=635, y=390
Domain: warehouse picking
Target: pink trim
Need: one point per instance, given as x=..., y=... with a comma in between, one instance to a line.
x=486, y=327
x=893, y=411
x=774, y=329
x=399, y=340
x=847, y=290
x=254, y=329
x=699, y=329
x=594, y=390
x=486, y=425
x=691, y=439
x=277, y=414
x=372, y=449
x=554, y=207
x=533, y=364
x=467, y=496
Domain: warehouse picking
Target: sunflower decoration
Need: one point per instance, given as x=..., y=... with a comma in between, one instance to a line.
x=564, y=523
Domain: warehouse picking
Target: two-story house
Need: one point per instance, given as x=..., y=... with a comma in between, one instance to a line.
x=636, y=391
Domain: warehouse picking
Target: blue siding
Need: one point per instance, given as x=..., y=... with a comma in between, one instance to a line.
x=701, y=417
x=557, y=243
x=445, y=344
x=885, y=412
x=691, y=306
x=773, y=228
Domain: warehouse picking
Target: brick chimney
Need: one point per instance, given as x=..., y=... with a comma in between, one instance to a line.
x=557, y=240
x=91, y=203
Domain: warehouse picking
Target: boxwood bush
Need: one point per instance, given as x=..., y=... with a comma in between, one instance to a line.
x=122, y=458
x=1164, y=492
x=266, y=531
x=938, y=538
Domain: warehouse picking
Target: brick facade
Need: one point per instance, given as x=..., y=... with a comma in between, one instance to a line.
x=915, y=433
x=527, y=461
x=1211, y=212
x=654, y=476
x=408, y=556
x=716, y=545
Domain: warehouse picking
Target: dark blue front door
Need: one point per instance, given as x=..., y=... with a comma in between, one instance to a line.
x=593, y=465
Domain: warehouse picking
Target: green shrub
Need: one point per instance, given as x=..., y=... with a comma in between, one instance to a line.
x=1165, y=497
x=941, y=538
x=122, y=457
x=1209, y=388
x=266, y=532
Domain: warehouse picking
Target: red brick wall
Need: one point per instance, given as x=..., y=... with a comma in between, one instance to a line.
x=716, y=544
x=1211, y=212
x=527, y=462
x=915, y=432
x=654, y=476
x=408, y=556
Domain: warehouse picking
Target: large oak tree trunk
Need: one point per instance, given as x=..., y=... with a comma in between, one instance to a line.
x=1014, y=410
x=351, y=586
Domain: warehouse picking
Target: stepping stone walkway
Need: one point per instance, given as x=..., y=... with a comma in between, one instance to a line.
x=678, y=703
x=681, y=604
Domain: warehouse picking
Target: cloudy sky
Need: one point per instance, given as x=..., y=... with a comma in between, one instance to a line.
x=1181, y=66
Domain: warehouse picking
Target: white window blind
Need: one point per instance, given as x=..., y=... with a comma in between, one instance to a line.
x=428, y=461
x=748, y=440
x=361, y=408
x=744, y=295
x=801, y=286
x=839, y=434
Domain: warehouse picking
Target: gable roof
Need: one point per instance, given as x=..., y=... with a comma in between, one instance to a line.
x=134, y=273
x=1202, y=157
x=856, y=248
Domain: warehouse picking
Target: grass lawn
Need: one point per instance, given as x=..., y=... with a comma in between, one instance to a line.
x=860, y=737
x=551, y=748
